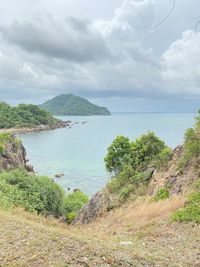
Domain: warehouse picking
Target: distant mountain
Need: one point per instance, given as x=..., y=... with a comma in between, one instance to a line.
x=71, y=105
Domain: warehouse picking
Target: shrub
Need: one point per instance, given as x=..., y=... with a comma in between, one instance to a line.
x=163, y=193
x=191, y=211
x=73, y=203
x=34, y=193
x=191, y=143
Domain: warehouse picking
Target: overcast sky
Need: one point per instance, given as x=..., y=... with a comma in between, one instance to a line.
x=109, y=51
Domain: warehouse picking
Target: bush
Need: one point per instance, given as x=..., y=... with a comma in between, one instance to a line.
x=73, y=203
x=34, y=193
x=191, y=143
x=162, y=194
x=191, y=211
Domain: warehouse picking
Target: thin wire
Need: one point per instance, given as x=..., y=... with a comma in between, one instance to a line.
x=168, y=15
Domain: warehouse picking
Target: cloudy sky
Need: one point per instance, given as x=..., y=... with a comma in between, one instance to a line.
x=112, y=52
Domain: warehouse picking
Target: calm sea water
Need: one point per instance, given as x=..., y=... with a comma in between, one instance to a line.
x=79, y=152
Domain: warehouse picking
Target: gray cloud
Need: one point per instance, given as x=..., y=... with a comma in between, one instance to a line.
x=44, y=56
x=72, y=39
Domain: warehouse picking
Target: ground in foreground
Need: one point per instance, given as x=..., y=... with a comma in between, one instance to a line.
x=138, y=234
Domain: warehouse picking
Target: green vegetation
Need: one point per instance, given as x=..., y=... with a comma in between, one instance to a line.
x=37, y=194
x=34, y=193
x=148, y=150
x=24, y=116
x=7, y=138
x=73, y=203
x=191, y=211
x=162, y=194
x=132, y=163
x=69, y=105
x=191, y=143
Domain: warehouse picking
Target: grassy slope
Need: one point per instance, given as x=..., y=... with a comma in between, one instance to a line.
x=28, y=240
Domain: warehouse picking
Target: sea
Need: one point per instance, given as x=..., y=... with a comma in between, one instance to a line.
x=78, y=152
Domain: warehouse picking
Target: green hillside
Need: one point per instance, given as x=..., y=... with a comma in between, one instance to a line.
x=71, y=105
x=24, y=116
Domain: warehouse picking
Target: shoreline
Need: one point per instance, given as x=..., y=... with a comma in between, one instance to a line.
x=39, y=128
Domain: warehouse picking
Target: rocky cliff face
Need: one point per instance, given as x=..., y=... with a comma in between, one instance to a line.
x=176, y=180
x=14, y=156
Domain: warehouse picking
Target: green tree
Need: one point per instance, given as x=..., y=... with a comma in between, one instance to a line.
x=119, y=154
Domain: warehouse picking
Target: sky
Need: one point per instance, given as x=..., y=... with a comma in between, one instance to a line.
x=115, y=53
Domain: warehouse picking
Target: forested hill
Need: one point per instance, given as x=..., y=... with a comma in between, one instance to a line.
x=71, y=105
x=24, y=116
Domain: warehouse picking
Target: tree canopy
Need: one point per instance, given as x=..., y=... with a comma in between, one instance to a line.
x=24, y=116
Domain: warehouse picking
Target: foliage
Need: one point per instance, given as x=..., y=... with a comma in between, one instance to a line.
x=191, y=211
x=71, y=105
x=162, y=194
x=24, y=116
x=73, y=203
x=146, y=150
x=191, y=143
x=34, y=193
x=127, y=182
x=118, y=154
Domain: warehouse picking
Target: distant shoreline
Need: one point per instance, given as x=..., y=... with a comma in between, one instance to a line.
x=39, y=128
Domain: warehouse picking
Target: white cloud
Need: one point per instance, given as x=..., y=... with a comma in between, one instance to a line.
x=181, y=65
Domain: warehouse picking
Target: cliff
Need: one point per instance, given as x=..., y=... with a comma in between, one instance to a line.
x=177, y=181
x=12, y=153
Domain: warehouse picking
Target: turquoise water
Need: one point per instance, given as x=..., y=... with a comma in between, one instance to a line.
x=79, y=152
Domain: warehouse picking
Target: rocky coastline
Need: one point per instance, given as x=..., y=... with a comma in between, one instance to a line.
x=39, y=128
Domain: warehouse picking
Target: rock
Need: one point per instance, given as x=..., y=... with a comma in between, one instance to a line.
x=98, y=205
x=177, y=182
x=14, y=156
x=59, y=175
x=76, y=190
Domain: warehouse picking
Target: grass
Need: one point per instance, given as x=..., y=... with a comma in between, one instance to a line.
x=31, y=240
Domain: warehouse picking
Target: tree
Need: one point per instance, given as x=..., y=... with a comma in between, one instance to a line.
x=118, y=154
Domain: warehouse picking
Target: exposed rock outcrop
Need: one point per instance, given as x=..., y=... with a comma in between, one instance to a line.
x=176, y=180
x=14, y=156
x=100, y=203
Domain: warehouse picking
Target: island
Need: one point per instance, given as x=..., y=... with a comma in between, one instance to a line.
x=27, y=118
x=72, y=105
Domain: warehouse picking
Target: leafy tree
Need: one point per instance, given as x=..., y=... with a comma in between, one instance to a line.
x=118, y=154
x=147, y=150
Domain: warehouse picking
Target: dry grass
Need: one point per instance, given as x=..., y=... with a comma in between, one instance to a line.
x=138, y=213
x=30, y=240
